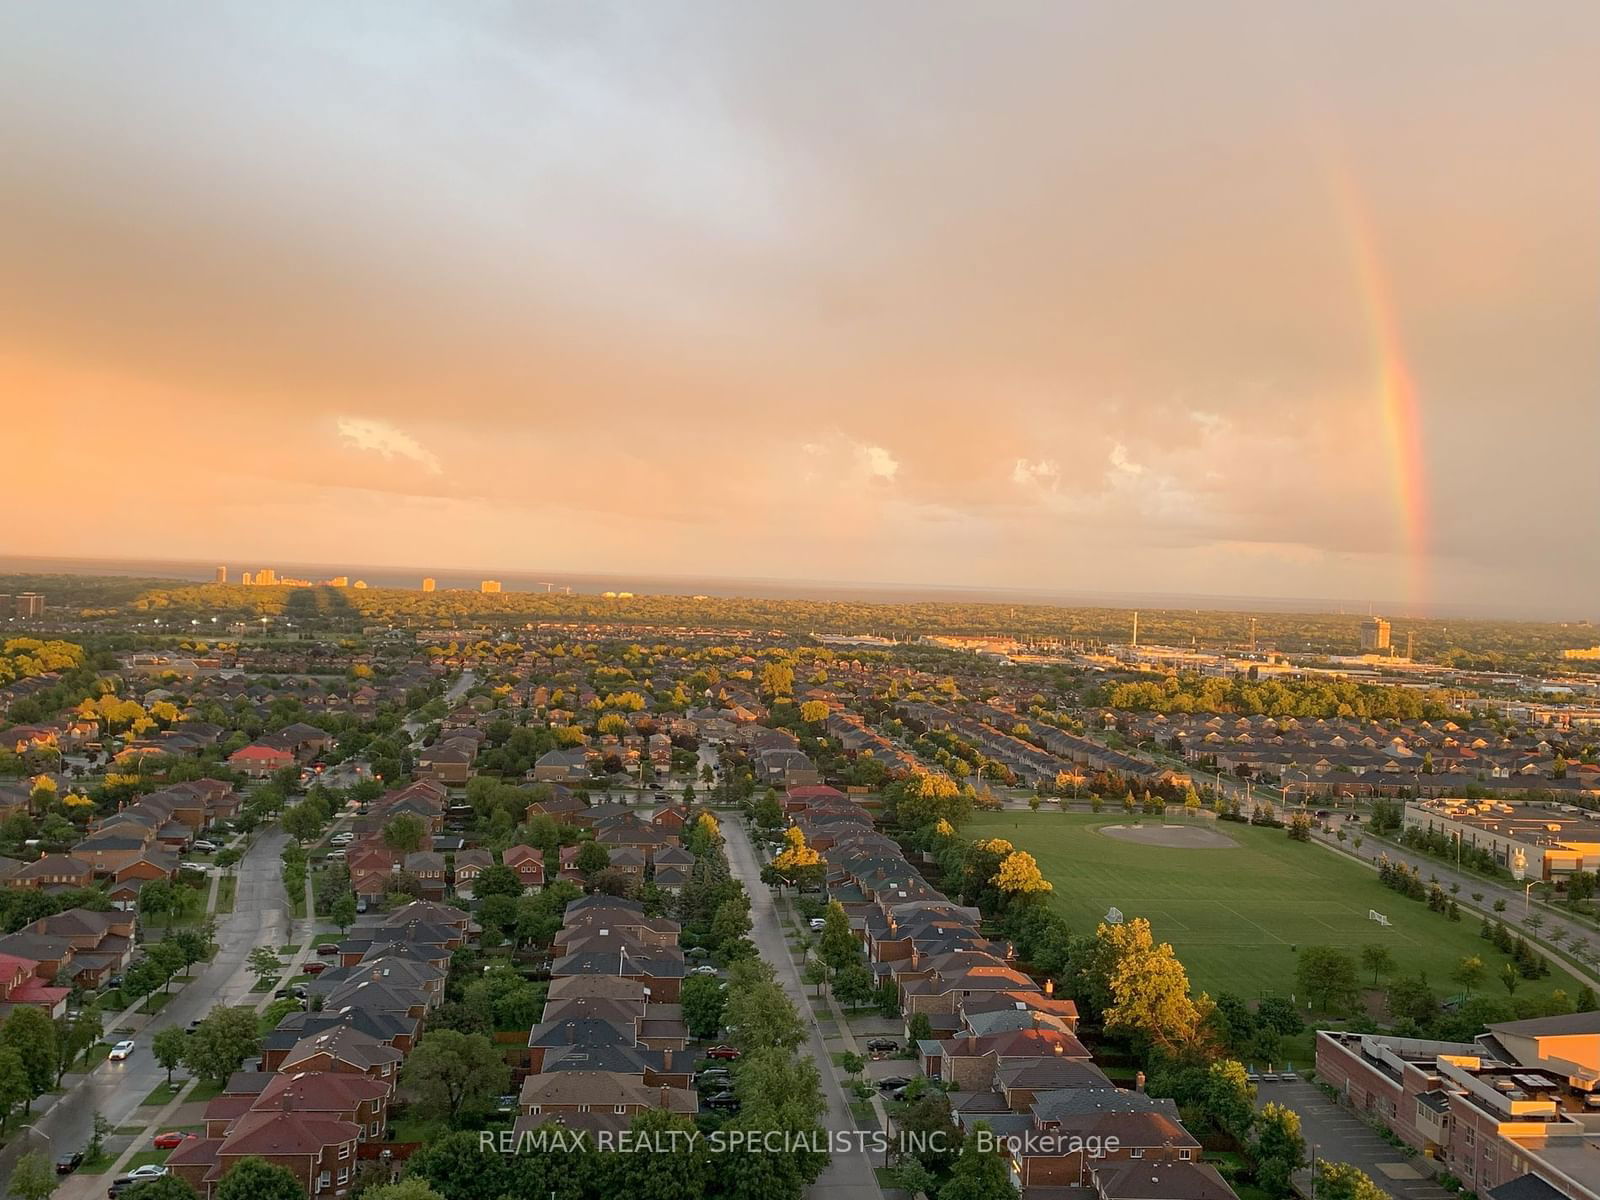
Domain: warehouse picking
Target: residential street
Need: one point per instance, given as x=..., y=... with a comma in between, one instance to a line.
x=115, y=1089
x=849, y=1176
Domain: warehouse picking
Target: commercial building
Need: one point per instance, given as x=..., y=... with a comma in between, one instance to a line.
x=29, y=604
x=221, y=575
x=1374, y=636
x=489, y=586
x=1544, y=841
x=428, y=584
x=1514, y=1114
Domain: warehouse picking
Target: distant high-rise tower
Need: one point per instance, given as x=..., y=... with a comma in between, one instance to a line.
x=246, y=578
x=30, y=604
x=1374, y=635
x=427, y=583
x=489, y=586
x=1411, y=645
x=221, y=575
x=1135, y=629
x=266, y=577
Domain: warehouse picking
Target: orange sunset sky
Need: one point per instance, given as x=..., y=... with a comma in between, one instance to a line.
x=1058, y=295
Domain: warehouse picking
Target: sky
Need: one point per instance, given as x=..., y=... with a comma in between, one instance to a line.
x=1279, y=299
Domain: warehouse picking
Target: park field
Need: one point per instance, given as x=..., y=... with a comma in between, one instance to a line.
x=1235, y=914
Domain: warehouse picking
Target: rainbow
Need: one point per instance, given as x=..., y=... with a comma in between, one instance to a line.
x=1396, y=393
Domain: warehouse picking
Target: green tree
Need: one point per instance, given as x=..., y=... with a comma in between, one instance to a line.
x=302, y=822
x=1327, y=977
x=167, y=1187
x=33, y=1036
x=1469, y=972
x=450, y=1072
x=342, y=912
x=14, y=1087
x=497, y=880
x=409, y=1188
x=1230, y=1098
x=33, y=1178
x=760, y=1008
x=158, y=898
x=1377, y=959
x=404, y=834
x=220, y=1044
x=263, y=963
x=1279, y=1149
x=169, y=1047
x=1341, y=1181
x=591, y=859
x=853, y=985
x=838, y=946
x=255, y=1178
x=703, y=1000
x=978, y=1174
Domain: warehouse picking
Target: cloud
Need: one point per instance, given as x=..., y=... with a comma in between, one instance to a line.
x=1122, y=464
x=380, y=437
x=877, y=463
x=1045, y=473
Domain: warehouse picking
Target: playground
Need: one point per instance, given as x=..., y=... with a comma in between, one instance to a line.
x=1236, y=912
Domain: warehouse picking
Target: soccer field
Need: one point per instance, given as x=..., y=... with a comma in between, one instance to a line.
x=1236, y=914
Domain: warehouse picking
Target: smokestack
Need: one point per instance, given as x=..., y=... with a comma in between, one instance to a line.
x=1136, y=628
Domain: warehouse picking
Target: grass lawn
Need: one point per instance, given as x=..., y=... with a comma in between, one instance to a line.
x=155, y=1002
x=1236, y=915
x=206, y=1090
x=98, y=1165
x=161, y=1094
x=323, y=938
x=227, y=891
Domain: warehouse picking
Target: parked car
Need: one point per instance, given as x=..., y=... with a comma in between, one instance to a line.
x=197, y=868
x=121, y=1050
x=328, y=949
x=170, y=1140
x=703, y=969
x=68, y=1163
x=817, y=923
x=193, y=1025
x=361, y=905
x=882, y=1045
x=314, y=968
x=205, y=847
x=725, y=1053
x=894, y=1081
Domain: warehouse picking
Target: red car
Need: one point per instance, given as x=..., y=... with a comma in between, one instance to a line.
x=314, y=968
x=724, y=1052
x=171, y=1140
x=328, y=949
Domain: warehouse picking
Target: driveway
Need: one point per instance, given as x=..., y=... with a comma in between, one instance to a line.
x=848, y=1176
x=260, y=917
x=1341, y=1136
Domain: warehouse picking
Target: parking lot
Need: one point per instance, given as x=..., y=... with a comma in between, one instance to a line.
x=1338, y=1134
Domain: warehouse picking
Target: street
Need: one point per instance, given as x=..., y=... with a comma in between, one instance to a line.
x=848, y=1176
x=116, y=1089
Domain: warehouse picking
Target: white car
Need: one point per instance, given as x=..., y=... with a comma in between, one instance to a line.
x=148, y=1171
x=818, y=923
x=205, y=847
x=341, y=839
x=706, y=969
x=121, y=1051
x=199, y=868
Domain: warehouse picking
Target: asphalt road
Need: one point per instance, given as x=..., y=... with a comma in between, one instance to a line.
x=849, y=1175
x=1340, y=1136
x=260, y=918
